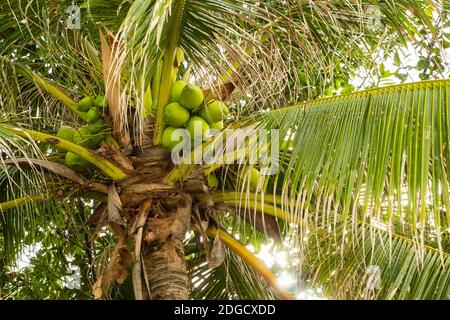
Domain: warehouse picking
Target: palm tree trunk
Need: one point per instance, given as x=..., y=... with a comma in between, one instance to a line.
x=168, y=215
x=166, y=271
x=163, y=253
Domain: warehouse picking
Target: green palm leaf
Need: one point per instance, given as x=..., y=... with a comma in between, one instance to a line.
x=233, y=279
x=348, y=269
x=365, y=151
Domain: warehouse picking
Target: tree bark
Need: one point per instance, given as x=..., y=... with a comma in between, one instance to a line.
x=168, y=212
x=163, y=253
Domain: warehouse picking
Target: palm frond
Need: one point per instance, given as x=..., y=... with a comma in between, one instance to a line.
x=258, y=42
x=110, y=169
x=108, y=13
x=233, y=279
x=18, y=222
x=35, y=35
x=363, y=153
x=372, y=157
x=373, y=263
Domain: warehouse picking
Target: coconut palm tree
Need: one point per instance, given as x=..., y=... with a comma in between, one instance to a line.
x=358, y=186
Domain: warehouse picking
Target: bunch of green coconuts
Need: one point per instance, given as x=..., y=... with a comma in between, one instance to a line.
x=89, y=136
x=188, y=110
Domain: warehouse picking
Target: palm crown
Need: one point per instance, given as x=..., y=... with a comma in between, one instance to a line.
x=360, y=181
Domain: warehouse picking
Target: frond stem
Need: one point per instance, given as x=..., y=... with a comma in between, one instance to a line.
x=22, y=201
x=168, y=65
x=107, y=167
x=47, y=86
x=250, y=258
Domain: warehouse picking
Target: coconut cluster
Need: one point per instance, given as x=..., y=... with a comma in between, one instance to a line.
x=89, y=136
x=189, y=111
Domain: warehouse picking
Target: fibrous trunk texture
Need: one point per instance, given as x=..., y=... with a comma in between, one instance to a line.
x=167, y=213
x=163, y=253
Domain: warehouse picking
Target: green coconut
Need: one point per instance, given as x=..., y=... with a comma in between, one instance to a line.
x=198, y=128
x=168, y=138
x=213, y=181
x=250, y=175
x=177, y=88
x=217, y=125
x=100, y=101
x=214, y=111
x=254, y=177
x=66, y=133
x=176, y=115
x=191, y=97
x=97, y=126
x=92, y=115
x=85, y=104
x=84, y=137
x=79, y=138
x=76, y=162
